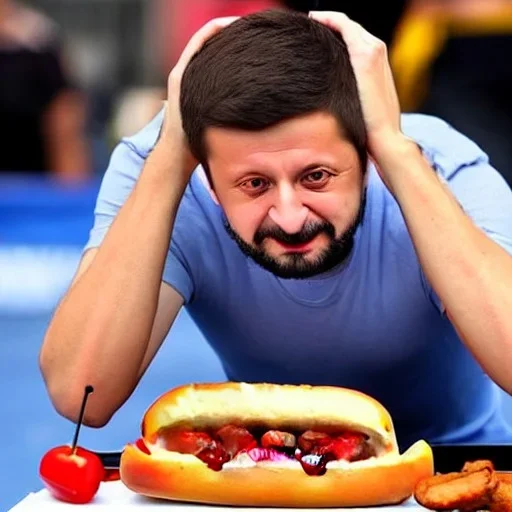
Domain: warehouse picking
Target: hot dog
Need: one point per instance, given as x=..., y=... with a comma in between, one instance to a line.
x=272, y=445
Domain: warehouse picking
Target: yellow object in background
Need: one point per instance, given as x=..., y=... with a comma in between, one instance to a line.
x=418, y=42
x=421, y=37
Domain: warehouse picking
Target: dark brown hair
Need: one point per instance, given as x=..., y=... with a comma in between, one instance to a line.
x=265, y=68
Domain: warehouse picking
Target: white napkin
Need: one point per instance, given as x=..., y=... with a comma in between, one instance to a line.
x=115, y=494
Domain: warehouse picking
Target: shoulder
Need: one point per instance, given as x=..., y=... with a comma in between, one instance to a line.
x=143, y=141
x=461, y=164
x=446, y=148
x=126, y=164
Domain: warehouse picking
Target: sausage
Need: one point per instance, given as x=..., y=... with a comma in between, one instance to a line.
x=186, y=441
x=350, y=446
x=311, y=439
x=347, y=446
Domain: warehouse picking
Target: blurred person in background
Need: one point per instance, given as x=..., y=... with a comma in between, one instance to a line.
x=451, y=58
x=42, y=112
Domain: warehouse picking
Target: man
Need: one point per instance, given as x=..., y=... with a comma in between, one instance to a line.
x=324, y=239
x=44, y=110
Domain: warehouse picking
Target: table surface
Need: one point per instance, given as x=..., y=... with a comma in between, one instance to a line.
x=115, y=494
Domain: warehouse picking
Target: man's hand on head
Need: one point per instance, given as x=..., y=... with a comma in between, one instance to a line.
x=379, y=99
x=172, y=128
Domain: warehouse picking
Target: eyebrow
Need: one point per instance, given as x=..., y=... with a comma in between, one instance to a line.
x=301, y=170
x=313, y=166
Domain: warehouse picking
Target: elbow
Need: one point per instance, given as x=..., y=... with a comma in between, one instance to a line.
x=67, y=399
x=67, y=403
x=92, y=418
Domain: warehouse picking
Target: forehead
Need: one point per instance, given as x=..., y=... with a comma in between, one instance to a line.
x=314, y=134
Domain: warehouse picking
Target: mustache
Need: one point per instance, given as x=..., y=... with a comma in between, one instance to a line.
x=306, y=234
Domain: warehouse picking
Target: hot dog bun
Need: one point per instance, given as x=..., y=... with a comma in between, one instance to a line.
x=386, y=478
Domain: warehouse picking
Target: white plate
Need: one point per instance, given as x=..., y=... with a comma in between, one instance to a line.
x=114, y=494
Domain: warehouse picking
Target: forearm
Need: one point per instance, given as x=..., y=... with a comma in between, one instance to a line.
x=100, y=331
x=471, y=274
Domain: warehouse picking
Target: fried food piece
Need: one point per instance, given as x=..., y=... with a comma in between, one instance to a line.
x=471, y=489
x=505, y=477
x=477, y=465
x=502, y=497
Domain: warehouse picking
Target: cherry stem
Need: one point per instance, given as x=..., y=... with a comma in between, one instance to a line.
x=88, y=389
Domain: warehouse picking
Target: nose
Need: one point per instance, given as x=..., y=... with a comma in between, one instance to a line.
x=288, y=212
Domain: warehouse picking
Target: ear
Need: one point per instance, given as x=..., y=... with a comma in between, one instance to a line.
x=366, y=175
x=206, y=182
x=213, y=195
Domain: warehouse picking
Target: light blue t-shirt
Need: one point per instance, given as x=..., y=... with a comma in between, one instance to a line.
x=373, y=324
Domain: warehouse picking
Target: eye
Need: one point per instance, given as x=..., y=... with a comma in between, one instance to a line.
x=317, y=178
x=255, y=185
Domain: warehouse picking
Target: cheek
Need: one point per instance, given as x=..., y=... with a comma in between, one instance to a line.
x=246, y=219
x=338, y=209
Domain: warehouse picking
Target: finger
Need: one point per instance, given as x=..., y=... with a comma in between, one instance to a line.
x=197, y=41
x=351, y=31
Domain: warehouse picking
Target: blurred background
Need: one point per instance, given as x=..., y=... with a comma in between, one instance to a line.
x=77, y=75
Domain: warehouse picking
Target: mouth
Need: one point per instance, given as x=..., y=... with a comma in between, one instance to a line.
x=300, y=247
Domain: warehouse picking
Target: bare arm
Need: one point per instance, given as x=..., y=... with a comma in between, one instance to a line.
x=169, y=304
x=471, y=273
x=115, y=315
x=101, y=331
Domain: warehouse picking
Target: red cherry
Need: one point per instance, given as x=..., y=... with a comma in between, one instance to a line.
x=71, y=475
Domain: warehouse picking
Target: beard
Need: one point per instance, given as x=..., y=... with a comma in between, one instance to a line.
x=297, y=265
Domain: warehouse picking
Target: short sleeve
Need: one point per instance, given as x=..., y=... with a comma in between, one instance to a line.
x=464, y=167
x=123, y=171
x=486, y=198
x=479, y=188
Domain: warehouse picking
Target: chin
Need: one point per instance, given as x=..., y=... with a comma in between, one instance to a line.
x=309, y=256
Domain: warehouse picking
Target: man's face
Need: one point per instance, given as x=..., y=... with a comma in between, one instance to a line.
x=292, y=194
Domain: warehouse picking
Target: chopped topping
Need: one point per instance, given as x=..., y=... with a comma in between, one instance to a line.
x=278, y=439
x=311, y=439
x=184, y=441
x=312, y=449
x=259, y=454
x=235, y=439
